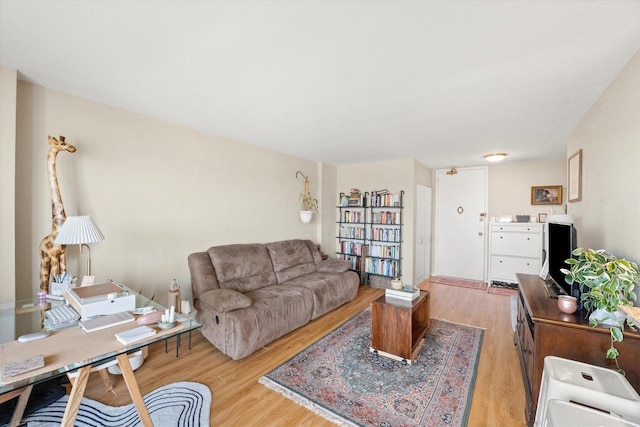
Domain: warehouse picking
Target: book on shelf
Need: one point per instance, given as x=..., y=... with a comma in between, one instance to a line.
x=103, y=322
x=402, y=294
x=135, y=334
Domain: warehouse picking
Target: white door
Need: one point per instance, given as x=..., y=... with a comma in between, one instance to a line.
x=423, y=234
x=461, y=206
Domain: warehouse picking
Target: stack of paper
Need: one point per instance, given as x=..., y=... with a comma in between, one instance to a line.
x=107, y=321
x=136, y=334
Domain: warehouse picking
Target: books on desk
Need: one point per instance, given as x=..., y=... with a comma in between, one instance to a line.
x=135, y=334
x=107, y=321
x=402, y=294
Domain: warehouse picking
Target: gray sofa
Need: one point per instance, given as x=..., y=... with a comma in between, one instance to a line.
x=248, y=295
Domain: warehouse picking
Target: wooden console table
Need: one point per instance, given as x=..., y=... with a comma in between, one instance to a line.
x=543, y=330
x=398, y=327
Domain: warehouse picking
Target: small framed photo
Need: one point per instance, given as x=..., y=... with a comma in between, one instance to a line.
x=542, y=217
x=546, y=195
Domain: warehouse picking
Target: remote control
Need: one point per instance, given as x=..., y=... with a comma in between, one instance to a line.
x=34, y=336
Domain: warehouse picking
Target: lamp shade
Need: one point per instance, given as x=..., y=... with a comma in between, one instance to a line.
x=78, y=230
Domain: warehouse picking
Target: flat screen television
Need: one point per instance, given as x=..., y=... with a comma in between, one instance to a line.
x=562, y=240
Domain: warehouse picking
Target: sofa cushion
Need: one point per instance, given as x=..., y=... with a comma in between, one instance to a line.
x=243, y=267
x=291, y=259
x=329, y=290
x=276, y=311
x=224, y=300
x=333, y=266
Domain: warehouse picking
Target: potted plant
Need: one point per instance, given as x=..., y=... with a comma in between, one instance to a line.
x=309, y=204
x=606, y=282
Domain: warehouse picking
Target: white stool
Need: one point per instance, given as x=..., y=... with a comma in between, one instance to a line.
x=567, y=414
x=597, y=387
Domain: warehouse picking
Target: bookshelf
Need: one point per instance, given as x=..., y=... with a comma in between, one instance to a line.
x=352, y=229
x=369, y=234
x=384, y=257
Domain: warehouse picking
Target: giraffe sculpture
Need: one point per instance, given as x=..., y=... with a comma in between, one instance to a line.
x=52, y=257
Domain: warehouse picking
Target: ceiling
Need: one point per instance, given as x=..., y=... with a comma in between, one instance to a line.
x=342, y=82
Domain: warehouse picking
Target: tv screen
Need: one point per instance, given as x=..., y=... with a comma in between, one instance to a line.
x=562, y=241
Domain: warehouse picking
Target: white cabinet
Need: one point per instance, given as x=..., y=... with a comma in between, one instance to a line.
x=514, y=248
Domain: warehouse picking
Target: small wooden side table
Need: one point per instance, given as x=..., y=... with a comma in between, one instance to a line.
x=398, y=327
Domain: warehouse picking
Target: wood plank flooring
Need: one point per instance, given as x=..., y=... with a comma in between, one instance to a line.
x=239, y=400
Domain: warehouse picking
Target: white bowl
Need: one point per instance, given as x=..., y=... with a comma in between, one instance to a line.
x=166, y=325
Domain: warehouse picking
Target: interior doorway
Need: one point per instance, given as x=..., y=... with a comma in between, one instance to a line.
x=460, y=223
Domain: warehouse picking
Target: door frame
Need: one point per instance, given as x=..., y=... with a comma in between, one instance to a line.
x=428, y=238
x=436, y=228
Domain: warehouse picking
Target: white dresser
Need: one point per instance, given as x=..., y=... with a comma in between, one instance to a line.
x=515, y=247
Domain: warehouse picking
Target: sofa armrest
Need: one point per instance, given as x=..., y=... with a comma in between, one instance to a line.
x=225, y=300
x=332, y=265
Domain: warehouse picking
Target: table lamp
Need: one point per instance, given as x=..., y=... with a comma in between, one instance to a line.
x=79, y=230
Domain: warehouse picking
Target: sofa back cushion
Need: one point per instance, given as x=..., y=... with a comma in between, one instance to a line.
x=242, y=267
x=291, y=259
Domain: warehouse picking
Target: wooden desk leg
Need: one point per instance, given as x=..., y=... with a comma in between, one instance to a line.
x=134, y=390
x=75, y=398
x=20, y=406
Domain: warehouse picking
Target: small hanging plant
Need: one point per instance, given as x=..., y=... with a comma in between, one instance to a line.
x=309, y=204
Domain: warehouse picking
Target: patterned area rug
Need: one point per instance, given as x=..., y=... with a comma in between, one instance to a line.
x=341, y=380
x=454, y=281
x=179, y=404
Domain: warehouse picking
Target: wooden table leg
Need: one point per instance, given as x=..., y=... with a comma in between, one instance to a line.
x=20, y=406
x=75, y=398
x=134, y=390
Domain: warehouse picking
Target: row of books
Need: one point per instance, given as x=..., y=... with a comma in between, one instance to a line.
x=390, y=218
x=353, y=216
x=384, y=251
x=350, y=248
x=385, y=199
x=352, y=232
x=385, y=234
x=383, y=267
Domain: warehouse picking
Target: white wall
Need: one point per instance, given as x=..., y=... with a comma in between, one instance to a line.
x=510, y=186
x=157, y=191
x=8, y=89
x=328, y=195
x=608, y=215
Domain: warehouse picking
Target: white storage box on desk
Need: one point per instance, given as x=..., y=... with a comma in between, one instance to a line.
x=593, y=386
x=99, y=300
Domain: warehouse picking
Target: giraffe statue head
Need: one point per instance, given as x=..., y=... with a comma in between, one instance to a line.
x=60, y=145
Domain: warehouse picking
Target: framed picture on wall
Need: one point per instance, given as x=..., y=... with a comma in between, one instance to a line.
x=546, y=195
x=575, y=176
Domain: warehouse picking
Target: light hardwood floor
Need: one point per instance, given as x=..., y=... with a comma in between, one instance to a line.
x=239, y=400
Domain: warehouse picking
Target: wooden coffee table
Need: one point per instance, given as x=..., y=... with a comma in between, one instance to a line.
x=398, y=327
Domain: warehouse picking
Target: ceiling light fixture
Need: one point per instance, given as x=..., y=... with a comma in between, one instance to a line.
x=495, y=157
